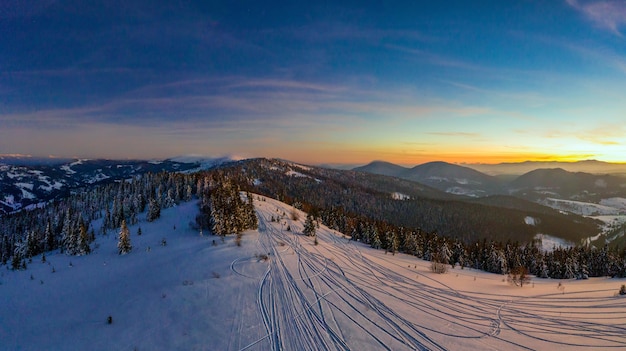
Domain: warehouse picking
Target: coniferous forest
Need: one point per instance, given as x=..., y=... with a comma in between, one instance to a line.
x=431, y=226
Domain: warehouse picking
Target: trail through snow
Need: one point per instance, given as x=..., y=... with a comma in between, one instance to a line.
x=280, y=291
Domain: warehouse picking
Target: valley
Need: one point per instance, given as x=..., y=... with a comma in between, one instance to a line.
x=566, y=187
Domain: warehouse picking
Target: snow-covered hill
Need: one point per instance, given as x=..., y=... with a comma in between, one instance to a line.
x=280, y=291
x=200, y=162
x=24, y=184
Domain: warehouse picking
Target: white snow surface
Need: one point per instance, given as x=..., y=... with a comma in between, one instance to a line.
x=339, y=295
x=530, y=220
x=9, y=201
x=68, y=168
x=615, y=202
x=548, y=242
x=98, y=177
x=580, y=208
x=456, y=190
x=28, y=186
x=400, y=196
x=292, y=173
x=27, y=194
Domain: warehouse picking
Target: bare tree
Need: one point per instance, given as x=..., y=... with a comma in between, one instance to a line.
x=518, y=276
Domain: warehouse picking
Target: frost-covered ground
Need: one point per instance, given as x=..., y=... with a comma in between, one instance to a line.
x=548, y=242
x=581, y=208
x=611, y=212
x=193, y=294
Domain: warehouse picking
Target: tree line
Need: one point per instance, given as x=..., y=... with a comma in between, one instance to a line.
x=493, y=240
x=71, y=224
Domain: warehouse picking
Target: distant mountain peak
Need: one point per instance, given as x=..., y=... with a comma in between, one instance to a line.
x=382, y=168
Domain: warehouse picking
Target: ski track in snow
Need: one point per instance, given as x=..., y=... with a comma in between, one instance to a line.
x=338, y=295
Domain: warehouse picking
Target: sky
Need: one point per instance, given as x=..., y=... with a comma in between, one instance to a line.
x=326, y=82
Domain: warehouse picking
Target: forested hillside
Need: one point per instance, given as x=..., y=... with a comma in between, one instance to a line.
x=67, y=224
x=385, y=213
x=369, y=195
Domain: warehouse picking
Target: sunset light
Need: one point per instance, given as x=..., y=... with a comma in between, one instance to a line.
x=406, y=82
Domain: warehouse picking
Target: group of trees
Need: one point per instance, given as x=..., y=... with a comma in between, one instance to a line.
x=432, y=229
x=226, y=206
x=67, y=224
x=222, y=208
x=492, y=256
x=498, y=218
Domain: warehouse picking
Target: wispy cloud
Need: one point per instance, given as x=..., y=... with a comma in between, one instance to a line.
x=530, y=98
x=337, y=31
x=239, y=103
x=609, y=15
x=456, y=134
x=436, y=59
x=606, y=55
x=594, y=52
x=285, y=84
x=606, y=135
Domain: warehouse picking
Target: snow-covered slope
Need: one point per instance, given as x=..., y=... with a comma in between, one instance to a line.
x=280, y=291
x=202, y=162
x=24, y=184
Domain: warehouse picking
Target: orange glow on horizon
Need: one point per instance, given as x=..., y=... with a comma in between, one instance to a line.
x=400, y=158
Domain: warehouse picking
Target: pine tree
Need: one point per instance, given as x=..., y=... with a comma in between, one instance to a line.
x=376, y=244
x=394, y=243
x=68, y=237
x=154, y=210
x=83, y=240
x=123, y=244
x=189, y=193
x=309, y=226
x=16, y=261
x=32, y=248
x=49, y=237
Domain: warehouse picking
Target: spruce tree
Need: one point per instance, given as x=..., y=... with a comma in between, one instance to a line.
x=83, y=240
x=49, y=238
x=309, y=226
x=154, y=210
x=123, y=244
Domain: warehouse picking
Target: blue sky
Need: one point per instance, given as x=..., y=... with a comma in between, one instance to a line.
x=337, y=82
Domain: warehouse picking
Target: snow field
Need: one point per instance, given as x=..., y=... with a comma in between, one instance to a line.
x=279, y=291
x=348, y=296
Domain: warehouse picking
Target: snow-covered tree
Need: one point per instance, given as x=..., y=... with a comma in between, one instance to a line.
x=49, y=240
x=444, y=253
x=376, y=243
x=123, y=245
x=154, y=210
x=223, y=208
x=393, y=243
x=309, y=226
x=83, y=240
